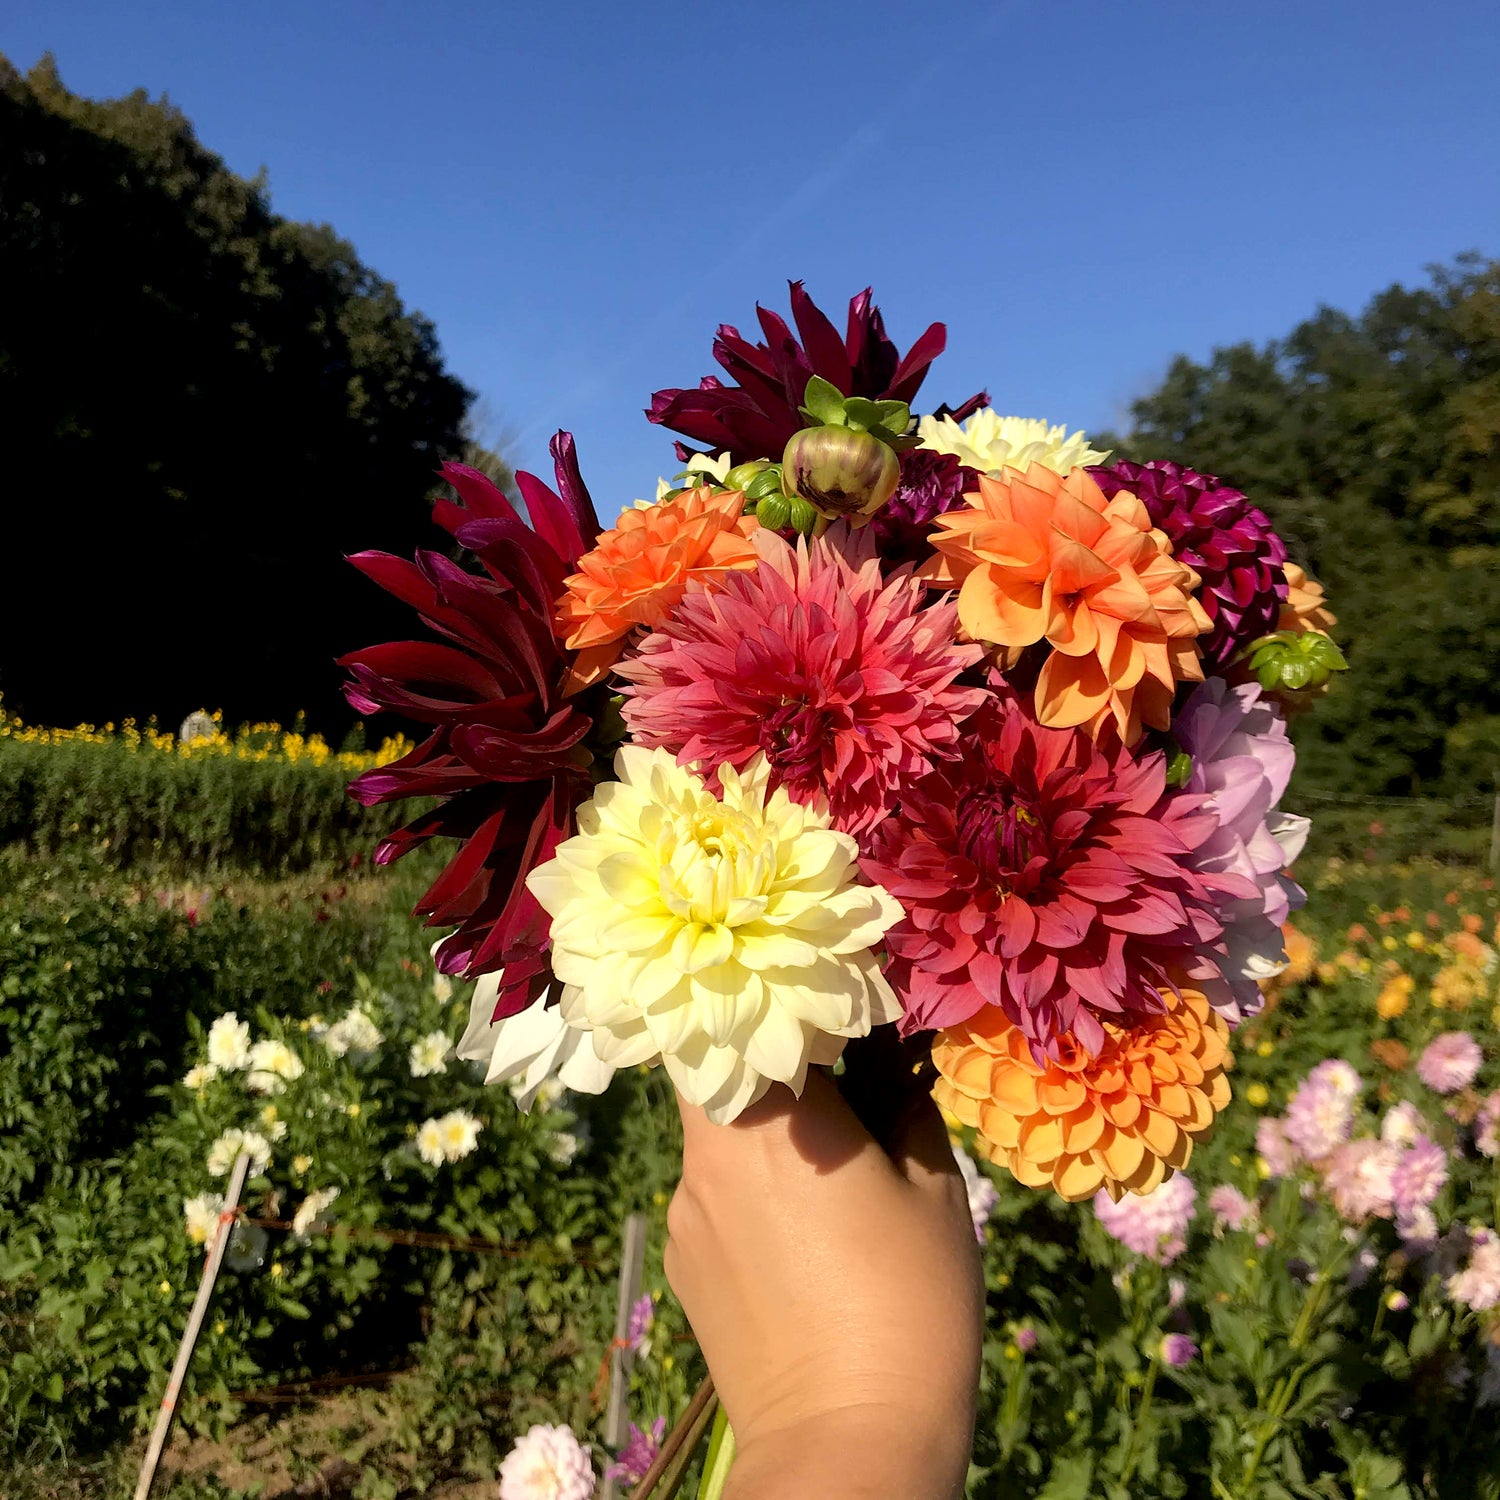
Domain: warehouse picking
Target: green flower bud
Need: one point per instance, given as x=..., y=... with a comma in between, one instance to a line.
x=774, y=512
x=804, y=515
x=739, y=477
x=767, y=482
x=841, y=471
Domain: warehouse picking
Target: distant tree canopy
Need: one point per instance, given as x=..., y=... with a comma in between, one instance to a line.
x=1373, y=442
x=205, y=407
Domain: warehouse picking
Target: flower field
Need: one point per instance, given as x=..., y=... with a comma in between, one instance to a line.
x=425, y=1273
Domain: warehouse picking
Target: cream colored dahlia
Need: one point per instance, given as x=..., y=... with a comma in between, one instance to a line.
x=727, y=937
x=988, y=443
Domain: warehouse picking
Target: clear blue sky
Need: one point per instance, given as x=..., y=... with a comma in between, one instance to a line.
x=578, y=194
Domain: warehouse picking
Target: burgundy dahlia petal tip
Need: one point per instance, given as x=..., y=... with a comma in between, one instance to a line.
x=1225, y=539
x=755, y=416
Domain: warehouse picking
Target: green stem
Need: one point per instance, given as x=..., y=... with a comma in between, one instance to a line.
x=720, y=1457
x=1139, y=1421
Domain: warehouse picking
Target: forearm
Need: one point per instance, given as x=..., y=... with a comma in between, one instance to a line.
x=859, y=1455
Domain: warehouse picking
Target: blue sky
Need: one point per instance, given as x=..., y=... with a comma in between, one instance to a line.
x=578, y=195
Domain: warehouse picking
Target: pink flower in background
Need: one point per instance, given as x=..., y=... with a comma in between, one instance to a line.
x=1403, y=1124
x=1358, y=1175
x=1177, y=1350
x=1242, y=761
x=983, y=1194
x=547, y=1463
x=1478, y=1284
x=634, y=1460
x=1152, y=1224
x=1418, y=1178
x=642, y=1316
x=1321, y=1112
x=844, y=680
x=1176, y=1291
x=1279, y=1154
x=1231, y=1208
x=1487, y=1126
x=1026, y=1339
x=1449, y=1062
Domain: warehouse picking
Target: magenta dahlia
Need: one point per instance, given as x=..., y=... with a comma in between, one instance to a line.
x=840, y=676
x=1049, y=876
x=931, y=484
x=1225, y=539
x=755, y=417
x=506, y=757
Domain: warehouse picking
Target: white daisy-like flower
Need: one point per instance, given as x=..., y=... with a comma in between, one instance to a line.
x=563, y=1147
x=222, y=1154
x=201, y=1217
x=272, y=1123
x=535, y=1050
x=229, y=1043
x=354, y=1032
x=989, y=443
x=430, y=1142
x=200, y=1077
x=460, y=1132
x=429, y=1054
x=310, y=1212
x=272, y=1066
x=729, y=938
x=442, y=988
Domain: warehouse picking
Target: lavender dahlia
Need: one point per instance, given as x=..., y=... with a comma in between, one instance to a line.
x=1321, y=1112
x=1152, y=1224
x=1225, y=539
x=1449, y=1062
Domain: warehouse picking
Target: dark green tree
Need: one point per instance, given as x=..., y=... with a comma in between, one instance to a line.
x=1373, y=442
x=205, y=406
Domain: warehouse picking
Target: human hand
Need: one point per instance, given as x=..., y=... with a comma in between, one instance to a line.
x=836, y=1293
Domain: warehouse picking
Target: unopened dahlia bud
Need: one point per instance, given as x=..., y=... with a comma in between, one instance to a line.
x=774, y=512
x=742, y=475
x=841, y=471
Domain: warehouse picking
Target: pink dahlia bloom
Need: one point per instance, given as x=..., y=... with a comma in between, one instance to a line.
x=1487, y=1126
x=983, y=1194
x=1449, y=1062
x=1274, y=1148
x=1478, y=1284
x=1403, y=1124
x=839, y=676
x=634, y=1460
x=1358, y=1177
x=1242, y=761
x=547, y=1463
x=1320, y=1114
x=1418, y=1178
x=1178, y=1349
x=1219, y=534
x=1049, y=876
x=1231, y=1208
x=1153, y=1224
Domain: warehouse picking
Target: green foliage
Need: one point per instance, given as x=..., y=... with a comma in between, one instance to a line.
x=140, y=808
x=251, y=402
x=1373, y=442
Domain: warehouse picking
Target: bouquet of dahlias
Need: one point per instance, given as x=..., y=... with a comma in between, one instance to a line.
x=945, y=724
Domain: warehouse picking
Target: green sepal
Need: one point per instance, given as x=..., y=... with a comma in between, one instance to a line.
x=1179, y=766
x=774, y=512
x=767, y=482
x=804, y=516
x=824, y=402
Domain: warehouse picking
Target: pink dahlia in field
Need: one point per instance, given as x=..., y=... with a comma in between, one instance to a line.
x=547, y=1463
x=1242, y=761
x=931, y=484
x=754, y=417
x=634, y=1460
x=838, y=675
x=1153, y=1224
x=1478, y=1284
x=1223, y=538
x=1231, y=1208
x=1274, y=1148
x=1487, y=1127
x=1419, y=1176
x=1358, y=1177
x=1320, y=1114
x=1449, y=1062
x=504, y=759
x=1046, y=875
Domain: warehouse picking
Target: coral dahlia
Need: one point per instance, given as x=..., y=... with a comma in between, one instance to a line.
x=755, y=417
x=728, y=939
x=505, y=758
x=839, y=677
x=638, y=571
x=1046, y=557
x=1121, y=1119
x=1228, y=542
x=1048, y=876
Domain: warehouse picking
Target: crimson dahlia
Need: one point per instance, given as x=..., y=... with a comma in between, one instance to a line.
x=506, y=757
x=754, y=418
x=1048, y=876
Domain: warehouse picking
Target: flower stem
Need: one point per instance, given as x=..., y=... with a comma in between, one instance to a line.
x=1138, y=1422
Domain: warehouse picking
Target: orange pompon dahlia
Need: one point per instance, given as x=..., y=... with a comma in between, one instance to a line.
x=1046, y=557
x=1123, y=1120
x=638, y=571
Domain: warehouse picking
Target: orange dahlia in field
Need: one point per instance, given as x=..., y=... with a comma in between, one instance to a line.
x=1123, y=1120
x=1046, y=557
x=640, y=568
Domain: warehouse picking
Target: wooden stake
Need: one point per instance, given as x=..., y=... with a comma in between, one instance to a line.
x=211, y=1263
x=621, y=1356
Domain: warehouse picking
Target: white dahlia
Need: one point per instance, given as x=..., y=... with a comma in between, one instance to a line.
x=989, y=443
x=727, y=938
